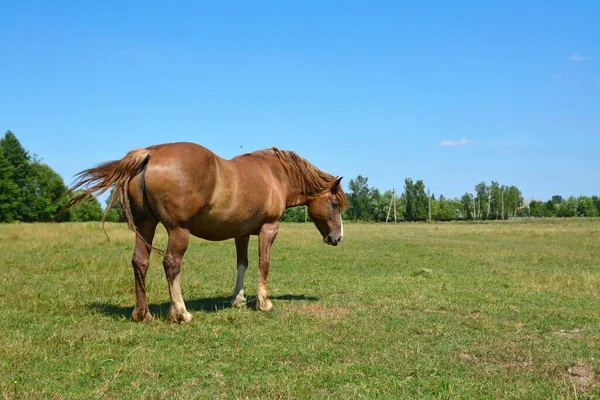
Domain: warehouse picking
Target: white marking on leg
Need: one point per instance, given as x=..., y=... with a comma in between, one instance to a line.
x=178, y=312
x=238, y=294
x=263, y=303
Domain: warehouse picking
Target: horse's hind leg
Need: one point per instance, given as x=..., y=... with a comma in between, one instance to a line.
x=178, y=243
x=141, y=262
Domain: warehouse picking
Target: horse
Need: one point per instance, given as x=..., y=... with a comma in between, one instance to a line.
x=193, y=191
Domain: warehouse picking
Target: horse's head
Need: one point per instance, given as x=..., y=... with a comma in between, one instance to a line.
x=326, y=212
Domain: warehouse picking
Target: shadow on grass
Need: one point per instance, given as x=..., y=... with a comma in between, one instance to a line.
x=210, y=304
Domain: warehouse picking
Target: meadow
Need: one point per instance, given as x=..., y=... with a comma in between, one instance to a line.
x=444, y=310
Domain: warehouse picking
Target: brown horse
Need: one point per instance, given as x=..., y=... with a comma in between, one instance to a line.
x=191, y=190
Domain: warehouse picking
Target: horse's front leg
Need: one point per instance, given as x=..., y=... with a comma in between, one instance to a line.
x=241, y=248
x=265, y=239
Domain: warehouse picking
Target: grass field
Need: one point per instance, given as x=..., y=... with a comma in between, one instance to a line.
x=457, y=310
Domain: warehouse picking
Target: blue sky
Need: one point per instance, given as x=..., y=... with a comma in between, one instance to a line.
x=453, y=93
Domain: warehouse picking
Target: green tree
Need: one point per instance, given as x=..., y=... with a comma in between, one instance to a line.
x=410, y=199
x=114, y=214
x=359, y=198
x=495, y=201
x=422, y=201
x=512, y=201
x=568, y=207
x=482, y=200
x=467, y=206
x=586, y=207
x=9, y=191
x=550, y=208
x=557, y=199
x=536, y=209
x=17, y=157
x=20, y=161
x=447, y=209
x=417, y=202
x=89, y=210
x=44, y=188
x=295, y=214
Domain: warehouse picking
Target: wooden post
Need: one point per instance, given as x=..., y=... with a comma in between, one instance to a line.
x=305, y=214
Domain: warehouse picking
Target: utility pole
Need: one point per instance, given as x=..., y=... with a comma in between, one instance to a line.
x=393, y=201
x=429, y=199
x=394, y=198
x=502, y=204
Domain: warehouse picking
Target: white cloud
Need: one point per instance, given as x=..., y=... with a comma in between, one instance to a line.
x=561, y=79
x=454, y=143
x=578, y=57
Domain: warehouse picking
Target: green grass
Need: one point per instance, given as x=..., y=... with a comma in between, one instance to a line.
x=505, y=311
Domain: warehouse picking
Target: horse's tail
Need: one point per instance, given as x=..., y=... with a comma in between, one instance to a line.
x=95, y=181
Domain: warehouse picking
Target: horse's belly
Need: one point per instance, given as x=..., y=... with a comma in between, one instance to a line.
x=218, y=228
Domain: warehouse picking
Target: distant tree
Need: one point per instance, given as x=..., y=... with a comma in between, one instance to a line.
x=596, y=201
x=536, y=209
x=482, y=200
x=586, y=207
x=417, y=201
x=467, y=206
x=550, y=208
x=568, y=208
x=557, y=199
x=495, y=201
x=446, y=210
x=359, y=198
x=17, y=157
x=89, y=210
x=512, y=201
x=295, y=214
x=43, y=189
x=422, y=201
x=9, y=191
x=411, y=200
x=114, y=214
x=20, y=161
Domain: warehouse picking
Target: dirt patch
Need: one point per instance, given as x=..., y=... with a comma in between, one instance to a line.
x=526, y=363
x=322, y=311
x=582, y=376
x=468, y=357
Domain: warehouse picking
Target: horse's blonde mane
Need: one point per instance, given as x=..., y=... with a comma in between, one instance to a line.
x=313, y=180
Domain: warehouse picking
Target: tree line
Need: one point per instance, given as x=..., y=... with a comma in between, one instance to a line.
x=486, y=202
x=30, y=191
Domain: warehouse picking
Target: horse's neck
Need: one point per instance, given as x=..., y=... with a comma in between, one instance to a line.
x=295, y=193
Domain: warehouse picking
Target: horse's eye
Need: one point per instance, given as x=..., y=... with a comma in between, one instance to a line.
x=335, y=206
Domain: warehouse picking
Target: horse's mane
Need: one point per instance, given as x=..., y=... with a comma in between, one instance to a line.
x=313, y=180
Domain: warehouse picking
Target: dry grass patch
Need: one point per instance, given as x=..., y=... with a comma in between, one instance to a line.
x=321, y=310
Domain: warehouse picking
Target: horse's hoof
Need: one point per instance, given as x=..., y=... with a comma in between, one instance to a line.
x=146, y=317
x=180, y=318
x=239, y=303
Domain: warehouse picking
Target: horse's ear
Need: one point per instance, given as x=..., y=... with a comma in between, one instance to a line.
x=336, y=185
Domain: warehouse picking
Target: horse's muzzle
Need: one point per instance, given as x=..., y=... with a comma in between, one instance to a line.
x=329, y=240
